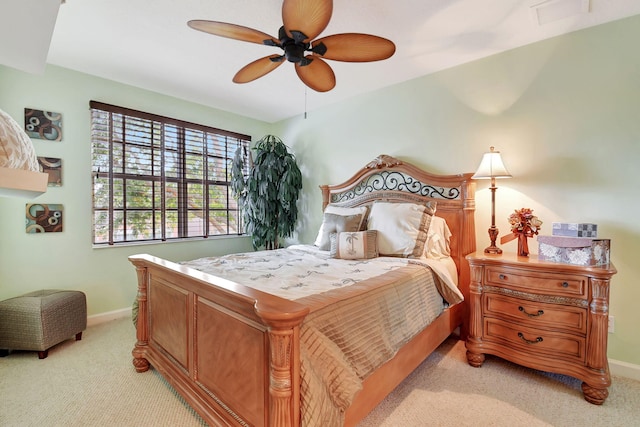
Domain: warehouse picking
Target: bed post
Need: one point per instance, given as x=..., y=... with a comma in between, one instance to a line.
x=142, y=323
x=326, y=194
x=284, y=371
x=467, y=246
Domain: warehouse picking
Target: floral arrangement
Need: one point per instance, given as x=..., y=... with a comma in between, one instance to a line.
x=523, y=221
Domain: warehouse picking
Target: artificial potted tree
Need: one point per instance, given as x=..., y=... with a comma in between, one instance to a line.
x=268, y=195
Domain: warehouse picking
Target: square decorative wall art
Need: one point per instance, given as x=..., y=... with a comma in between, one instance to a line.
x=43, y=218
x=53, y=167
x=43, y=124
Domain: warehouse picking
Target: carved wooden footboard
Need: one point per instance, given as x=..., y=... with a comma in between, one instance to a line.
x=233, y=352
x=230, y=351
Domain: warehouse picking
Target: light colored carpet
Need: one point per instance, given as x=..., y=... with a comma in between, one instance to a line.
x=446, y=391
x=93, y=383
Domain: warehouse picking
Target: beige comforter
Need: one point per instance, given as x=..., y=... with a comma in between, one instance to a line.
x=354, y=326
x=356, y=330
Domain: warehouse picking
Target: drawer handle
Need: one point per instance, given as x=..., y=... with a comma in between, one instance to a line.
x=565, y=284
x=502, y=277
x=536, y=341
x=539, y=313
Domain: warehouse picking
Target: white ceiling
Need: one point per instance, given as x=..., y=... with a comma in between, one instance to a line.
x=146, y=43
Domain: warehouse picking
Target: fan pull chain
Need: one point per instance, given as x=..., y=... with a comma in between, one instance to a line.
x=305, y=103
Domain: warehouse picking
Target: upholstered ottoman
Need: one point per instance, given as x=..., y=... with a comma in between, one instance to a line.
x=41, y=319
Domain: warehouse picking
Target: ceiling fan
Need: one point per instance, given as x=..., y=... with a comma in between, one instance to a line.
x=303, y=21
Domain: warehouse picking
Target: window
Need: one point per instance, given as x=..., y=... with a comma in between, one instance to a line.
x=157, y=178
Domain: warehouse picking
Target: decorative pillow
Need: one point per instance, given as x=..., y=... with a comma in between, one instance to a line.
x=438, y=238
x=332, y=223
x=402, y=227
x=358, y=245
x=332, y=209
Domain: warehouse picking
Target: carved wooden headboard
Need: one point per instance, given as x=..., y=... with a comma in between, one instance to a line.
x=387, y=178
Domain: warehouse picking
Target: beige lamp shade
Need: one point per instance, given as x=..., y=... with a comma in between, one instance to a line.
x=20, y=174
x=491, y=166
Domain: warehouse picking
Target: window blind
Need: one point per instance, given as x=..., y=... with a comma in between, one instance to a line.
x=159, y=178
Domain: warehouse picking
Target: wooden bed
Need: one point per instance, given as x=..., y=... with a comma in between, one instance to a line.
x=233, y=352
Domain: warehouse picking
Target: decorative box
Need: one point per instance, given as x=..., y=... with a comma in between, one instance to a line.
x=574, y=229
x=574, y=250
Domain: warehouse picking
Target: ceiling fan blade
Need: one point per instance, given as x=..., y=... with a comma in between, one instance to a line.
x=309, y=17
x=318, y=75
x=233, y=31
x=354, y=47
x=258, y=68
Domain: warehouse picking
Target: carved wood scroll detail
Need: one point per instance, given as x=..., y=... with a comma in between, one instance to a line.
x=383, y=161
x=550, y=299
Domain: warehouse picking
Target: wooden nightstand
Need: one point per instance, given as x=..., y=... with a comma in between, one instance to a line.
x=544, y=315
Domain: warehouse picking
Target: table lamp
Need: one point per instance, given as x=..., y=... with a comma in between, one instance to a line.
x=492, y=167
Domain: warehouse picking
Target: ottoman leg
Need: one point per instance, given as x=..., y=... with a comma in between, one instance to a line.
x=43, y=354
x=4, y=353
x=78, y=336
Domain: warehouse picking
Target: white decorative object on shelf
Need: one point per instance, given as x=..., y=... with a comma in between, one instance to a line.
x=19, y=171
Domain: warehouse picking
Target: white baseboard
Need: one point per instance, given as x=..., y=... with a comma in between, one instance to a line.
x=110, y=315
x=624, y=369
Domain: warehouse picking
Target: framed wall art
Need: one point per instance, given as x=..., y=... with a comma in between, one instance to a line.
x=43, y=124
x=53, y=167
x=43, y=218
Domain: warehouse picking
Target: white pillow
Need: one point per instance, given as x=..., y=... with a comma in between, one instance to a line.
x=323, y=235
x=438, y=238
x=402, y=227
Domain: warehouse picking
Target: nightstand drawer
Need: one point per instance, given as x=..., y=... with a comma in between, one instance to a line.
x=537, y=314
x=536, y=281
x=536, y=342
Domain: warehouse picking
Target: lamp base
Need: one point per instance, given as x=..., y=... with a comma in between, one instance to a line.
x=492, y=250
x=493, y=236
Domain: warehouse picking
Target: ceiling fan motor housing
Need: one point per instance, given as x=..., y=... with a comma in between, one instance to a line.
x=294, y=52
x=294, y=47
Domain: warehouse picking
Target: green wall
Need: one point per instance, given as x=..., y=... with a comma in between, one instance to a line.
x=565, y=113
x=67, y=260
